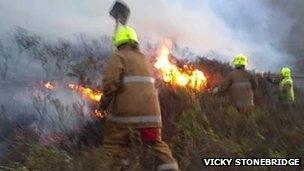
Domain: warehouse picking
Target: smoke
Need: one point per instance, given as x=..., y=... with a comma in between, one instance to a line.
x=293, y=41
x=27, y=61
x=264, y=30
x=225, y=27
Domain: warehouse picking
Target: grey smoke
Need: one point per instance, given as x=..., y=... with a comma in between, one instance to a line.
x=27, y=61
x=272, y=29
x=264, y=30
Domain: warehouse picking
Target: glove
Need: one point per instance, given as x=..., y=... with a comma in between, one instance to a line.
x=215, y=90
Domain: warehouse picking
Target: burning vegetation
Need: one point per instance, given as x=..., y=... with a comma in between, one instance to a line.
x=50, y=86
x=88, y=93
x=186, y=76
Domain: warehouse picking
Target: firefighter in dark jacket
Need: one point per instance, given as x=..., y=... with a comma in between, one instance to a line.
x=240, y=85
x=129, y=92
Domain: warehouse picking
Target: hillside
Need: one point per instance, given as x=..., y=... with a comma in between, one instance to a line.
x=54, y=130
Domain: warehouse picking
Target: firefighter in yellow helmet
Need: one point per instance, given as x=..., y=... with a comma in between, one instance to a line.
x=286, y=88
x=130, y=95
x=240, y=84
x=285, y=83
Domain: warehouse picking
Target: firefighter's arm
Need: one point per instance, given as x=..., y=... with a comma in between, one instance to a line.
x=111, y=80
x=274, y=79
x=225, y=85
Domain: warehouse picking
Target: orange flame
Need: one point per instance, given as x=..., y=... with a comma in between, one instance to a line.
x=184, y=77
x=90, y=94
x=99, y=114
x=49, y=85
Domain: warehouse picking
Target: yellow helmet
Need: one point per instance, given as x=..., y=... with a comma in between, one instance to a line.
x=124, y=34
x=285, y=72
x=240, y=60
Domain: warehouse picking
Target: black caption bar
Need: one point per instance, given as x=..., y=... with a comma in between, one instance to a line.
x=251, y=161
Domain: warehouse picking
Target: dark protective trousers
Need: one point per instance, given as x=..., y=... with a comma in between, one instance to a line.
x=118, y=142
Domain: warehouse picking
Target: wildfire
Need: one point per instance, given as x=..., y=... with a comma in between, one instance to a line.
x=93, y=95
x=90, y=94
x=49, y=85
x=185, y=77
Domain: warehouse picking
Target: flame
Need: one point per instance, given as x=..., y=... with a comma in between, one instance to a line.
x=90, y=94
x=93, y=95
x=184, y=77
x=99, y=114
x=50, y=86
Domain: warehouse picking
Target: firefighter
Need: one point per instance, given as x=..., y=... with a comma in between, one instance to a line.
x=286, y=91
x=286, y=87
x=130, y=95
x=240, y=84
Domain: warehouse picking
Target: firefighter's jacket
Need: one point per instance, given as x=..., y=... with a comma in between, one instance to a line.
x=240, y=85
x=286, y=90
x=127, y=81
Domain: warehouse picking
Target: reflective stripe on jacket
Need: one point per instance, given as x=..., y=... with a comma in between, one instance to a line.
x=134, y=119
x=128, y=80
x=240, y=85
x=167, y=166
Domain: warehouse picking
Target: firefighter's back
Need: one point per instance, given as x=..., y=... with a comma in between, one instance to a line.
x=129, y=85
x=242, y=85
x=137, y=96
